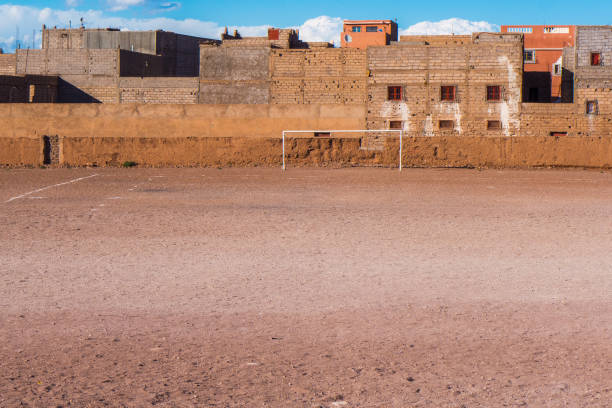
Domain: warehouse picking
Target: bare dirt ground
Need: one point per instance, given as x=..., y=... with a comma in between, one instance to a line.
x=333, y=288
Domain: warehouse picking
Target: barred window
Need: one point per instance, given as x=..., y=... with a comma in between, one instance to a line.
x=493, y=93
x=447, y=93
x=395, y=93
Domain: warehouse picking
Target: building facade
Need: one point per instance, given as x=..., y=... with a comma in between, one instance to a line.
x=364, y=33
x=543, y=59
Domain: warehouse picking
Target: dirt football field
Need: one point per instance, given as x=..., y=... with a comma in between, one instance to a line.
x=308, y=288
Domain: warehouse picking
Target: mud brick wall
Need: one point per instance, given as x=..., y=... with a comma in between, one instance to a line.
x=421, y=70
x=245, y=135
x=63, y=38
x=315, y=76
x=8, y=64
x=436, y=39
x=158, y=90
x=234, y=75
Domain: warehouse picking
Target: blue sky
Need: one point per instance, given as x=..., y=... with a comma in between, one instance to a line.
x=317, y=19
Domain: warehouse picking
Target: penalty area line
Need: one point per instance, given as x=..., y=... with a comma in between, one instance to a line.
x=48, y=187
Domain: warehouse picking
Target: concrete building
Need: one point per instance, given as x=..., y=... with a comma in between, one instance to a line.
x=543, y=59
x=364, y=33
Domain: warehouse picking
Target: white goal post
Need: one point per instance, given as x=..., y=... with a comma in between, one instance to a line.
x=400, y=132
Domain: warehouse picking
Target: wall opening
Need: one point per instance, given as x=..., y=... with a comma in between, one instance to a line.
x=50, y=150
x=396, y=124
x=446, y=124
x=493, y=125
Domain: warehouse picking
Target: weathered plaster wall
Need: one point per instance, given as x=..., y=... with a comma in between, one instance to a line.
x=168, y=121
x=233, y=135
x=237, y=75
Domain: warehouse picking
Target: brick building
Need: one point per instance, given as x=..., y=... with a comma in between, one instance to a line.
x=447, y=85
x=543, y=59
x=111, y=66
x=364, y=33
x=465, y=85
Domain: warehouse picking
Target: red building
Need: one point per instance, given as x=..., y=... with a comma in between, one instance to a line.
x=543, y=59
x=363, y=33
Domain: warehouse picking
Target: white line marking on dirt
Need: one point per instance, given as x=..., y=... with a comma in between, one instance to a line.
x=48, y=187
x=114, y=198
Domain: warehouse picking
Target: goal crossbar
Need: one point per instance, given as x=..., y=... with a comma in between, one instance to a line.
x=400, y=132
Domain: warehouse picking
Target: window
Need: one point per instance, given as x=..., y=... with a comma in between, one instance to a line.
x=591, y=107
x=395, y=93
x=396, y=124
x=525, y=30
x=493, y=93
x=595, y=58
x=493, y=125
x=447, y=93
x=556, y=30
x=557, y=134
x=446, y=124
x=356, y=29
x=557, y=69
x=371, y=29
x=529, y=57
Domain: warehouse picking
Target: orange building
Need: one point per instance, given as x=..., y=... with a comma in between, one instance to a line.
x=543, y=59
x=361, y=34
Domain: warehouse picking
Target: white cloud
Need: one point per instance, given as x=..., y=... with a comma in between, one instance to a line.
x=449, y=26
x=321, y=28
x=72, y=3
x=116, y=5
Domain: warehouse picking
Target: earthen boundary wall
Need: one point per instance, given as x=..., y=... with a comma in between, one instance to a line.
x=250, y=135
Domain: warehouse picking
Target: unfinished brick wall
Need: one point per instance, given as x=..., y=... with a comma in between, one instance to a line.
x=8, y=64
x=420, y=70
x=63, y=38
x=592, y=84
x=67, y=62
x=436, y=39
x=158, y=90
x=324, y=75
x=234, y=75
